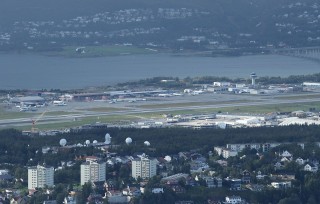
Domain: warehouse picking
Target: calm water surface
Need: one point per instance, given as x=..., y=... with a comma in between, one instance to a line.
x=36, y=72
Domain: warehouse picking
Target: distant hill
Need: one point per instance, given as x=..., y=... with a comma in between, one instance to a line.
x=190, y=24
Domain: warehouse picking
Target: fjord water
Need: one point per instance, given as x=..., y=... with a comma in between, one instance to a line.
x=28, y=71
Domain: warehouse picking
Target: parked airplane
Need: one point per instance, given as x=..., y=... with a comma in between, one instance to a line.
x=24, y=108
x=59, y=103
x=164, y=95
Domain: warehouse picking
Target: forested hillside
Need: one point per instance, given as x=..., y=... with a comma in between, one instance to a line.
x=19, y=149
x=181, y=24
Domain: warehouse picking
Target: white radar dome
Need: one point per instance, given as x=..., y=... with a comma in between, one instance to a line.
x=147, y=143
x=87, y=142
x=128, y=140
x=107, y=139
x=95, y=142
x=167, y=158
x=63, y=142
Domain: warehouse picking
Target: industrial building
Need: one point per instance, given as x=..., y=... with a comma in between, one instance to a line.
x=27, y=100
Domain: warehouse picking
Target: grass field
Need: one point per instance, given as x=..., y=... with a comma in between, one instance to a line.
x=100, y=51
x=168, y=105
x=87, y=120
x=254, y=109
x=4, y=114
x=128, y=118
x=103, y=109
x=306, y=96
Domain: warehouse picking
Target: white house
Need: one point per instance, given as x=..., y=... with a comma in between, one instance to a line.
x=157, y=190
x=286, y=154
x=311, y=168
x=281, y=185
x=233, y=199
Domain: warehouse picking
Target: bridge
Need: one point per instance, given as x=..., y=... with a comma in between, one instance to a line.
x=310, y=53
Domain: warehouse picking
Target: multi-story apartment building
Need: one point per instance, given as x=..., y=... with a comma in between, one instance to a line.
x=40, y=177
x=144, y=167
x=93, y=170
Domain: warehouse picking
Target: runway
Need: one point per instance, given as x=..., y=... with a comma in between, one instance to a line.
x=136, y=109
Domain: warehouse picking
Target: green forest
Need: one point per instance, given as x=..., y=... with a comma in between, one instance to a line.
x=18, y=152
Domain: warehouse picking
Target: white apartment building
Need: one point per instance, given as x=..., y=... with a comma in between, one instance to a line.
x=225, y=152
x=144, y=167
x=40, y=177
x=93, y=170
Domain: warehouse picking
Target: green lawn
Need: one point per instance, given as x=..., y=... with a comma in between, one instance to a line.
x=128, y=118
x=4, y=114
x=254, y=109
x=82, y=121
x=168, y=105
x=302, y=96
x=102, y=109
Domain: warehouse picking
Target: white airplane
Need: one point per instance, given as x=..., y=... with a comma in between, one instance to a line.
x=59, y=103
x=197, y=92
x=165, y=95
x=24, y=108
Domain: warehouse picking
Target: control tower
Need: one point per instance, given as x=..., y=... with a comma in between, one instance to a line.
x=253, y=77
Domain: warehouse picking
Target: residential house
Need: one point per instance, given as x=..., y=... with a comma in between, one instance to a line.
x=255, y=187
x=246, y=176
x=259, y=176
x=157, y=190
x=70, y=200
x=286, y=159
x=234, y=184
x=286, y=154
x=175, y=177
x=19, y=200
x=310, y=167
x=116, y=197
x=278, y=165
x=110, y=185
x=213, y=182
x=233, y=199
x=281, y=185
x=131, y=191
x=198, y=166
x=300, y=161
x=190, y=181
x=178, y=189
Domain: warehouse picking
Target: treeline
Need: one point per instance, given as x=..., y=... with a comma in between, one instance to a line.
x=175, y=82
x=18, y=149
x=293, y=79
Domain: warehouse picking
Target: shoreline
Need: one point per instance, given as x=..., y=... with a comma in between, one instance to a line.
x=36, y=72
